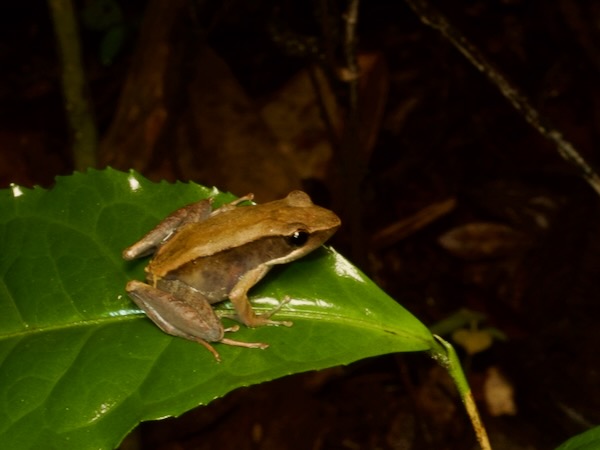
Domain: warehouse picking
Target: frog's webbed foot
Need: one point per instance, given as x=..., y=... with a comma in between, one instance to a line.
x=239, y=343
x=259, y=320
x=265, y=319
x=260, y=345
x=226, y=341
x=208, y=347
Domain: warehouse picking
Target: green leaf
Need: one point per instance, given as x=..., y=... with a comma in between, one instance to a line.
x=590, y=440
x=80, y=365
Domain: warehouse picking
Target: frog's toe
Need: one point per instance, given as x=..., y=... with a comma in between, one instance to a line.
x=260, y=345
x=267, y=321
x=210, y=348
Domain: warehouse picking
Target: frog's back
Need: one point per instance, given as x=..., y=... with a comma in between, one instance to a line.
x=235, y=228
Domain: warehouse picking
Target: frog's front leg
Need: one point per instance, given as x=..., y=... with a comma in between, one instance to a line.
x=192, y=318
x=241, y=303
x=195, y=212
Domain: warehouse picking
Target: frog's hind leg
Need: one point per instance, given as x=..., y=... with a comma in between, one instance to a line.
x=147, y=245
x=208, y=347
x=226, y=341
x=193, y=319
x=260, y=345
x=239, y=343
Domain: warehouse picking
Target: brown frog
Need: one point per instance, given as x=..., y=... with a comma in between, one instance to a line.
x=201, y=257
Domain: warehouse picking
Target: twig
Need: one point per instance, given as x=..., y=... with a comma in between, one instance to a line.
x=351, y=18
x=317, y=80
x=81, y=122
x=401, y=229
x=435, y=19
x=445, y=355
x=352, y=171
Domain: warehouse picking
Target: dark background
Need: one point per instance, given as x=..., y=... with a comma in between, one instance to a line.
x=529, y=262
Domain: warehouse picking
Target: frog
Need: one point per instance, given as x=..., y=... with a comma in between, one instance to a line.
x=202, y=256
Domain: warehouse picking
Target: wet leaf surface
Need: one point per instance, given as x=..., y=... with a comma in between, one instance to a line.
x=81, y=365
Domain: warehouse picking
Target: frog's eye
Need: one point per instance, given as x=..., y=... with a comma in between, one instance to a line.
x=298, y=238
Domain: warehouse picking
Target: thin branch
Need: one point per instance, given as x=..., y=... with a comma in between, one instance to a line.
x=81, y=121
x=351, y=18
x=435, y=19
x=317, y=79
x=352, y=170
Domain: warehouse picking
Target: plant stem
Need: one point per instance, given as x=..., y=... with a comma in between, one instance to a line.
x=81, y=121
x=446, y=356
x=352, y=171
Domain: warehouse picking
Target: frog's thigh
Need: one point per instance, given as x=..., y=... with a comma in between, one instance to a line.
x=195, y=212
x=192, y=296
x=193, y=319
